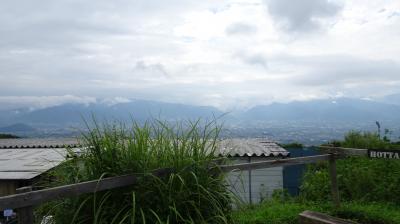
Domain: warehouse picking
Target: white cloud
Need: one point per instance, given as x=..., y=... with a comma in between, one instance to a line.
x=303, y=16
x=40, y=102
x=228, y=53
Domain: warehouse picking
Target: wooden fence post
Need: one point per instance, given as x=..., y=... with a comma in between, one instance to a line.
x=333, y=176
x=25, y=214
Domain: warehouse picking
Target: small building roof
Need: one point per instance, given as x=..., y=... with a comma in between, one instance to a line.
x=250, y=147
x=25, y=159
x=38, y=143
x=27, y=163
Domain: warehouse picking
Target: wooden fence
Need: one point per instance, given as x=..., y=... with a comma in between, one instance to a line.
x=26, y=199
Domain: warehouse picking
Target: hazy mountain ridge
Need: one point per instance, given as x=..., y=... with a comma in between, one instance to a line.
x=342, y=109
x=139, y=110
x=300, y=116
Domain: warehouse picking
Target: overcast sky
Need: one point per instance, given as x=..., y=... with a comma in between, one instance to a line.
x=228, y=54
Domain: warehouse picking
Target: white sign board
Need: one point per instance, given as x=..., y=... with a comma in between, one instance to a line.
x=8, y=213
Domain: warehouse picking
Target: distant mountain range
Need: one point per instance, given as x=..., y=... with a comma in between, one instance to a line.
x=139, y=110
x=329, y=110
x=391, y=99
x=342, y=109
x=14, y=128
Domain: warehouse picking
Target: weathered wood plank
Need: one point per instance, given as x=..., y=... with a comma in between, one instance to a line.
x=310, y=217
x=73, y=190
x=25, y=214
x=275, y=163
x=334, y=184
x=344, y=151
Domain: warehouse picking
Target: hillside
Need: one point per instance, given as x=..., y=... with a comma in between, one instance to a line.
x=343, y=110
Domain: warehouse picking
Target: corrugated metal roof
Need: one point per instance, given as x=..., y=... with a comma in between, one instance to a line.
x=38, y=143
x=20, y=161
x=250, y=147
x=25, y=164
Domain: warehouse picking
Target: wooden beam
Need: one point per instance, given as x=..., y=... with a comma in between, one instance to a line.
x=25, y=214
x=334, y=182
x=310, y=217
x=274, y=163
x=37, y=197
x=344, y=151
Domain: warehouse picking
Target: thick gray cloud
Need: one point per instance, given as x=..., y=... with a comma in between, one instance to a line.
x=346, y=70
x=252, y=59
x=240, y=28
x=222, y=53
x=301, y=15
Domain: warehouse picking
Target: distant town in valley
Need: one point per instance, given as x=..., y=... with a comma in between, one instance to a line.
x=308, y=122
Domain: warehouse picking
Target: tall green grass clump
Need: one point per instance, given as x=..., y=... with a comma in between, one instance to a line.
x=190, y=194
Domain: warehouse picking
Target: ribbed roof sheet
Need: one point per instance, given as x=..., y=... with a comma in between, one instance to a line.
x=27, y=163
x=250, y=147
x=38, y=143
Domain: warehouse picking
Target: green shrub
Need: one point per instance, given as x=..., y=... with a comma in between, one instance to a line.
x=273, y=212
x=286, y=212
x=359, y=178
x=369, y=213
x=189, y=195
x=366, y=140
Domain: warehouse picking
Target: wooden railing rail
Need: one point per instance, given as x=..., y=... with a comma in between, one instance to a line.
x=25, y=200
x=33, y=198
x=275, y=163
x=344, y=151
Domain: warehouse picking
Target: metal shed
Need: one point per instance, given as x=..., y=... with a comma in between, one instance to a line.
x=23, y=161
x=253, y=186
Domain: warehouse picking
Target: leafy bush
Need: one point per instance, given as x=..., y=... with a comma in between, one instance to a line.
x=367, y=140
x=286, y=212
x=359, y=178
x=189, y=195
x=369, y=213
x=272, y=212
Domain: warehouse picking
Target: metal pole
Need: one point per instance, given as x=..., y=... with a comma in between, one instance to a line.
x=250, y=199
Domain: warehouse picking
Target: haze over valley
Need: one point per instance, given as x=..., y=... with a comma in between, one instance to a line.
x=309, y=122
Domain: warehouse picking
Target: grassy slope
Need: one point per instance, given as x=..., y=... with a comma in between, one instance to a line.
x=355, y=174
x=278, y=212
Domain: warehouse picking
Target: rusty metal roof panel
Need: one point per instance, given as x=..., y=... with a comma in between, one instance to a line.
x=250, y=147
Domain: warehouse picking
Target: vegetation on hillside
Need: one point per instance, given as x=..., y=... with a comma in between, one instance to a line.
x=367, y=140
x=296, y=145
x=8, y=136
x=287, y=212
x=189, y=195
x=369, y=189
x=359, y=178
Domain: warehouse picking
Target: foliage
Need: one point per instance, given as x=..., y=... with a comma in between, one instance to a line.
x=286, y=212
x=359, y=178
x=8, y=136
x=367, y=140
x=189, y=195
x=370, y=213
x=292, y=145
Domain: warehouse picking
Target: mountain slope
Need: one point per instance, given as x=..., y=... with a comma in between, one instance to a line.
x=342, y=109
x=139, y=110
